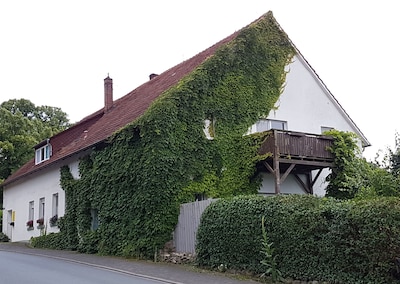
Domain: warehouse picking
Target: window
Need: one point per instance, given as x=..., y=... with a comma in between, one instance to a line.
x=326, y=128
x=209, y=128
x=43, y=154
x=95, y=219
x=278, y=124
x=41, y=208
x=262, y=125
x=54, y=210
x=31, y=210
x=267, y=124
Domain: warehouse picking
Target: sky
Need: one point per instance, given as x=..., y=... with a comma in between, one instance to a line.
x=57, y=53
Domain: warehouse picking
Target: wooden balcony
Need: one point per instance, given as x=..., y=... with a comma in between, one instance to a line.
x=296, y=153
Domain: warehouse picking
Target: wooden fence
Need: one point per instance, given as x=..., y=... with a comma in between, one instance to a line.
x=188, y=222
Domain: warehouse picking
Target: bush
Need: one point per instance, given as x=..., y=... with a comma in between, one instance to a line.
x=3, y=238
x=89, y=242
x=51, y=241
x=314, y=238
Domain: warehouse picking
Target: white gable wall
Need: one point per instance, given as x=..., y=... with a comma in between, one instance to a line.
x=305, y=103
x=18, y=195
x=307, y=106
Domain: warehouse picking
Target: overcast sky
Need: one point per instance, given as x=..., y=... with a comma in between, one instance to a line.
x=57, y=53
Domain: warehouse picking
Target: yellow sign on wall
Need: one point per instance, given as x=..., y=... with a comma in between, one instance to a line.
x=13, y=216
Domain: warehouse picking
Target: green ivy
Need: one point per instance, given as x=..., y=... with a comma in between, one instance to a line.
x=137, y=180
x=344, y=179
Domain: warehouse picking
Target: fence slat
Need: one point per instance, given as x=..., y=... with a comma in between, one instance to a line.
x=189, y=219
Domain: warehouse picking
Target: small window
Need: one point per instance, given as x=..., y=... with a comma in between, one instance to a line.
x=95, y=219
x=42, y=154
x=54, y=210
x=278, y=124
x=268, y=124
x=31, y=210
x=326, y=128
x=41, y=208
x=209, y=128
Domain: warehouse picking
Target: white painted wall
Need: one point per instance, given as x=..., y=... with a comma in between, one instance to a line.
x=18, y=195
x=306, y=105
x=289, y=186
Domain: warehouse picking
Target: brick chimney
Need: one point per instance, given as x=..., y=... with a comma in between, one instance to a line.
x=108, y=94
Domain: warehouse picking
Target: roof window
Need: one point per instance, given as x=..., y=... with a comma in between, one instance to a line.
x=42, y=154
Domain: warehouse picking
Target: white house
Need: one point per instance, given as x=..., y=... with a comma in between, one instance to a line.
x=33, y=197
x=306, y=105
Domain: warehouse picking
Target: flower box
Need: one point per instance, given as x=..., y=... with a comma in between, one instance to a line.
x=40, y=221
x=53, y=221
x=29, y=223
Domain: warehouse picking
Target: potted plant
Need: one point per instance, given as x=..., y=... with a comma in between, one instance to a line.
x=53, y=220
x=29, y=224
x=40, y=221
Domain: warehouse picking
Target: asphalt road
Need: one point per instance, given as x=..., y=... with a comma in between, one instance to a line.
x=16, y=268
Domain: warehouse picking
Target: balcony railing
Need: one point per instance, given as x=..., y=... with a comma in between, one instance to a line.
x=298, y=145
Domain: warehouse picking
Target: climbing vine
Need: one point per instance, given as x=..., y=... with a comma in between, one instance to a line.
x=344, y=179
x=136, y=181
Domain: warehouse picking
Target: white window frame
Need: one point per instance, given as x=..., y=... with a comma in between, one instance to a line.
x=268, y=124
x=31, y=210
x=278, y=124
x=41, y=208
x=54, y=209
x=42, y=154
x=209, y=128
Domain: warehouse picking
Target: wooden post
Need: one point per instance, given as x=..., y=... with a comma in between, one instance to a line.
x=277, y=172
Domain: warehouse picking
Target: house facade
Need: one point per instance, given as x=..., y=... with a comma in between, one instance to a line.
x=34, y=198
x=306, y=106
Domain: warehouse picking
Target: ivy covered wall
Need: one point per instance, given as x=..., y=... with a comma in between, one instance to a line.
x=136, y=182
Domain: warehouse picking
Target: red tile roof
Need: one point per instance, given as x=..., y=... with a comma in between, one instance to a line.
x=101, y=125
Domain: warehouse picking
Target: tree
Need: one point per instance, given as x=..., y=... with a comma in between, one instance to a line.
x=23, y=125
x=353, y=176
x=394, y=157
x=50, y=117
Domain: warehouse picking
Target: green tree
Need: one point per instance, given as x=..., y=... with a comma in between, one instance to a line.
x=52, y=118
x=377, y=181
x=353, y=176
x=22, y=126
x=17, y=137
x=394, y=157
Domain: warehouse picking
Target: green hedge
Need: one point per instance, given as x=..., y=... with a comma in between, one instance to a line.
x=314, y=238
x=51, y=241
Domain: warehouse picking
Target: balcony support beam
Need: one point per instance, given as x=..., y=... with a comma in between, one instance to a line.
x=297, y=154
